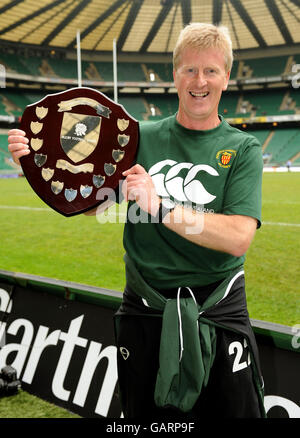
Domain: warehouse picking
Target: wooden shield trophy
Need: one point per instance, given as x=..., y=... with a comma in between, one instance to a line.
x=80, y=141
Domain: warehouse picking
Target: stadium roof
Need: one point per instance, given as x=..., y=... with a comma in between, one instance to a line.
x=145, y=26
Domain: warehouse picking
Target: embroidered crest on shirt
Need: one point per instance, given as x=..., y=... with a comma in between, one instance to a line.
x=225, y=157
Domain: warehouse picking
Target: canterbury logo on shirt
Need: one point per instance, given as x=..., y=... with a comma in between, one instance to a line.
x=168, y=183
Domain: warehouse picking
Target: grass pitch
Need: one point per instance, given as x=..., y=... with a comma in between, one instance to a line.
x=36, y=240
x=272, y=264
x=24, y=405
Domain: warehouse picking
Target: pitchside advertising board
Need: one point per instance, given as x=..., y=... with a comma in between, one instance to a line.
x=59, y=337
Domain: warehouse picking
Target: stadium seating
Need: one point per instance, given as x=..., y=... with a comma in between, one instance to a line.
x=67, y=68
x=283, y=146
x=13, y=103
x=162, y=72
x=229, y=105
x=267, y=103
x=233, y=104
x=134, y=105
x=260, y=68
x=294, y=95
x=278, y=145
x=262, y=136
x=13, y=63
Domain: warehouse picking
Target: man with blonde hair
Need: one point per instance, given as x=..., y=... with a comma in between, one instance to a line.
x=203, y=180
x=185, y=344
x=204, y=35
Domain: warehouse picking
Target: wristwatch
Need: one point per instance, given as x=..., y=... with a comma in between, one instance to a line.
x=165, y=207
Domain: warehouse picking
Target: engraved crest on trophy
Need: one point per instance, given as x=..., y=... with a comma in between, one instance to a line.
x=80, y=141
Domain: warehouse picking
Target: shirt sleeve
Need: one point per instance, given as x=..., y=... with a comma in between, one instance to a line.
x=243, y=191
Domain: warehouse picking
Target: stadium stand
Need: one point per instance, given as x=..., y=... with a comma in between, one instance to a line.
x=267, y=103
x=14, y=103
x=104, y=69
x=283, y=146
x=256, y=68
x=296, y=161
x=161, y=71
x=67, y=68
x=134, y=105
x=13, y=63
x=278, y=145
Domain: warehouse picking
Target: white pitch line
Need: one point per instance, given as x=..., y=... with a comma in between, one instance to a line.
x=112, y=213
x=281, y=202
x=281, y=224
x=18, y=207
